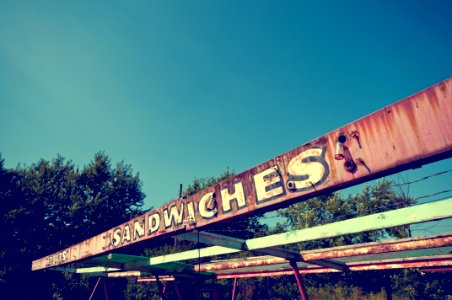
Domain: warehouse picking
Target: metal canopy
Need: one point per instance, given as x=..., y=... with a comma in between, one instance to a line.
x=409, y=133
x=406, y=253
x=241, y=244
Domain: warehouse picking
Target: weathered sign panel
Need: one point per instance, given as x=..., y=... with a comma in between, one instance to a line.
x=406, y=134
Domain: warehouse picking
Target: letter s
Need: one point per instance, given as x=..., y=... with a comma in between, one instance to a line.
x=116, y=237
x=307, y=170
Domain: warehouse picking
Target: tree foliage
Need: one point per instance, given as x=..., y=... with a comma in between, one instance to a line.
x=52, y=204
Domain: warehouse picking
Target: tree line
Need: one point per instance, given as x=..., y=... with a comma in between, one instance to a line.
x=53, y=204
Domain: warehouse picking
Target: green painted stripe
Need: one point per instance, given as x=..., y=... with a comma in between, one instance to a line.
x=192, y=254
x=96, y=270
x=404, y=216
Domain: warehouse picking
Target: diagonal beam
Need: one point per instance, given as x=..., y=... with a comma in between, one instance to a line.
x=210, y=238
x=332, y=264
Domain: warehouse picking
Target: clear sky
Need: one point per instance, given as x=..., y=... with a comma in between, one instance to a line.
x=184, y=89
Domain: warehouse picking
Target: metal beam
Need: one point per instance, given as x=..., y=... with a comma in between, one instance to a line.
x=133, y=263
x=403, y=216
x=442, y=240
x=438, y=241
x=402, y=249
x=153, y=278
x=95, y=287
x=364, y=266
x=192, y=254
x=406, y=134
x=173, y=267
x=287, y=272
x=436, y=270
x=365, y=261
x=304, y=294
x=268, y=268
x=407, y=255
x=115, y=260
x=64, y=269
x=260, y=261
x=126, y=274
x=210, y=238
x=240, y=263
x=166, y=262
x=234, y=288
x=96, y=270
x=446, y=262
x=333, y=264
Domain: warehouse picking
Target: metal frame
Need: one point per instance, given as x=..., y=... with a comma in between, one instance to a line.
x=431, y=253
x=438, y=210
x=416, y=130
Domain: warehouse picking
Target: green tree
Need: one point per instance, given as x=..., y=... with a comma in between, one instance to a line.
x=15, y=225
x=51, y=205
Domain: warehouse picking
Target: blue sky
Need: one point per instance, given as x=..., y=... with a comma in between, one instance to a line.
x=184, y=89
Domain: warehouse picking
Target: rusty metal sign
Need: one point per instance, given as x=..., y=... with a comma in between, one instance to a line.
x=406, y=134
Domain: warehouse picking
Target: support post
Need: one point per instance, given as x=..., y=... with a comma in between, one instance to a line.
x=177, y=291
x=160, y=287
x=95, y=287
x=297, y=275
x=234, y=288
x=105, y=288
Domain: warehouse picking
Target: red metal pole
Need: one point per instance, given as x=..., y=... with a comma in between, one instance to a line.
x=301, y=288
x=234, y=288
x=95, y=287
x=105, y=289
x=160, y=287
x=177, y=292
